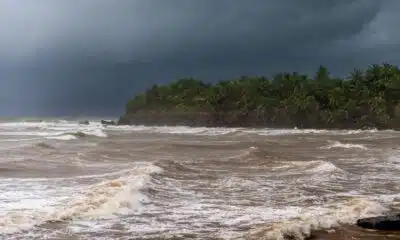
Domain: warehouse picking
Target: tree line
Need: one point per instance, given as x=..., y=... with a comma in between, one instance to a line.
x=369, y=98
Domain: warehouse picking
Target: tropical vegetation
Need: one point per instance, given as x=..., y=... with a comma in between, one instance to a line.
x=363, y=99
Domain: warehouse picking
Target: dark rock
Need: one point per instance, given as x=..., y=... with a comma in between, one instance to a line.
x=124, y=120
x=386, y=223
x=86, y=122
x=104, y=122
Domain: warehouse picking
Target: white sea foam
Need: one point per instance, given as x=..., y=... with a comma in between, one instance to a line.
x=315, y=166
x=273, y=222
x=64, y=125
x=322, y=167
x=60, y=130
x=318, y=218
x=89, y=199
x=24, y=204
x=104, y=200
x=66, y=137
x=338, y=144
x=96, y=132
x=277, y=132
x=214, y=131
x=181, y=130
x=29, y=133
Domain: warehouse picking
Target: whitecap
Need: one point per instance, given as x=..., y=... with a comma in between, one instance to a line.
x=318, y=218
x=338, y=144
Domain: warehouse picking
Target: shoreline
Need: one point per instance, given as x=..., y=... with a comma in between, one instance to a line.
x=361, y=100
x=209, y=120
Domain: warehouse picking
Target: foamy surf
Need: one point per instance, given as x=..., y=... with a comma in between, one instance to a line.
x=110, y=197
x=322, y=167
x=66, y=137
x=220, y=131
x=89, y=133
x=56, y=130
x=80, y=133
x=338, y=144
x=103, y=200
x=216, y=182
x=318, y=218
x=313, y=167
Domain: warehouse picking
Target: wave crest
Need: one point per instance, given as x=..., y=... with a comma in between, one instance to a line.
x=105, y=199
x=323, y=218
x=338, y=144
x=110, y=197
x=65, y=137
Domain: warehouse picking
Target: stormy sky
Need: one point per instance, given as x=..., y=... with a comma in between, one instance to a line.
x=88, y=57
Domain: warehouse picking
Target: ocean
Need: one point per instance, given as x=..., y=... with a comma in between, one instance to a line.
x=65, y=180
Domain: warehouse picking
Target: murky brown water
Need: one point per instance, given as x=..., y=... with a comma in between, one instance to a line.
x=62, y=180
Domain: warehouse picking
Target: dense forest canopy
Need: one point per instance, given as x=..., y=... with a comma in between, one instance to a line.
x=369, y=98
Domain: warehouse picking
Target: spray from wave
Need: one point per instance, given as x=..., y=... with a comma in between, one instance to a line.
x=56, y=130
x=102, y=200
x=320, y=218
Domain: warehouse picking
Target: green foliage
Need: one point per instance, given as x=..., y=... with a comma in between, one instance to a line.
x=370, y=98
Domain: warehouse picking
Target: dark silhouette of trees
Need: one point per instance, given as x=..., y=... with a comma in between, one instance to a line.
x=369, y=98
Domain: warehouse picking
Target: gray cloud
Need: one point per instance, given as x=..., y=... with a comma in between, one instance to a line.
x=75, y=56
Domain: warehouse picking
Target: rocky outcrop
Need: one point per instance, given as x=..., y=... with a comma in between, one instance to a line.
x=387, y=223
x=105, y=122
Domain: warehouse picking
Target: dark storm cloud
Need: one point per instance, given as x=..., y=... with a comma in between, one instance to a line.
x=73, y=56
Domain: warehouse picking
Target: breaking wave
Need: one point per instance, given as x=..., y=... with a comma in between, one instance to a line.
x=102, y=200
x=90, y=133
x=216, y=131
x=322, y=167
x=57, y=130
x=316, y=166
x=338, y=144
x=79, y=134
x=320, y=218
x=65, y=137
x=269, y=188
x=105, y=199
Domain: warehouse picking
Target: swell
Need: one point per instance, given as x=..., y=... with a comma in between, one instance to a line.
x=73, y=135
x=249, y=157
x=92, y=133
x=226, y=131
x=176, y=167
x=328, y=217
x=211, y=157
x=44, y=145
x=338, y=144
x=207, y=146
x=117, y=195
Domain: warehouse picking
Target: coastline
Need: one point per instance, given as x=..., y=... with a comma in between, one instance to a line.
x=362, y=100
x=232, y=120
